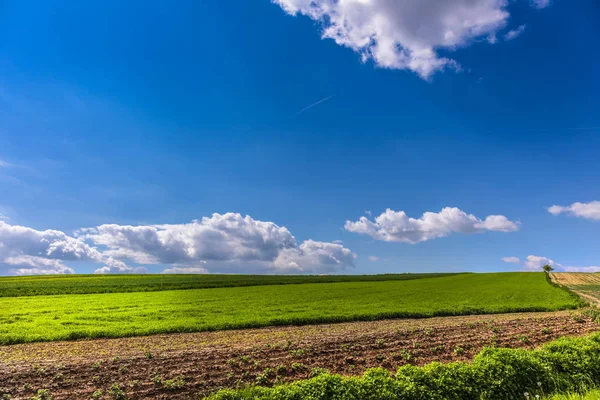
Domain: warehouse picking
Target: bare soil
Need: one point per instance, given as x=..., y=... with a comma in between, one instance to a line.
x=206, y=362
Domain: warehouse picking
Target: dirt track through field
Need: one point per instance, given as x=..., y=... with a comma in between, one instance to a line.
x=212, y=360
x=586, y=285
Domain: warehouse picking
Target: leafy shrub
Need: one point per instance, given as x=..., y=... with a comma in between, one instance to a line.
x=298, y=367
x=97, y=395
x=176, y=383
x=42, y=394
x=568, y=364
x=116, y=393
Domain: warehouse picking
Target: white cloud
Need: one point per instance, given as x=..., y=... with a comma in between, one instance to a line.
x=537, y=262
x=222, y=241
x=40, y=271
x=540, y=3
x=589, y=210
x=218, y=238
x=373, y=258
x=4, y=217
x=31, y=265
x=315, y=257
x=41, y=252
x=20, y=240
x=405, y=34
x=581, y=269
x=396, y=226
x=113, y=266
x=514, y=33
x=219, y=242
x=185, y=270
x=338, y=242
x=4, y=164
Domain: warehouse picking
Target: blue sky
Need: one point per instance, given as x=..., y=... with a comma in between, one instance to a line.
x=148, y=113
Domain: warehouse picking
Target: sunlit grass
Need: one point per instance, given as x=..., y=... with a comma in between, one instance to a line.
x=82, y=284
x=592, y=395
x=42, y=318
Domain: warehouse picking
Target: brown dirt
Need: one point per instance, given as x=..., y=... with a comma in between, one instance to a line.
x=212, y=360
x=586, y=285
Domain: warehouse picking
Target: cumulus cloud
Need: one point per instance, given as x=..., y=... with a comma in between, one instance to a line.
x=113, y=266
x=3, y=217
x=185, y=270
x=535, y=263
x=589, y=210
x=219, y=241
x=404, y=35
x=218, y=238
x=312, y=257
x=514, y=33
x=32, y=265
x=396, y=226
x=41, y=252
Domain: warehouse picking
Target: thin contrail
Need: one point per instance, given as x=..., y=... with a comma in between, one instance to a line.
x=312, y=105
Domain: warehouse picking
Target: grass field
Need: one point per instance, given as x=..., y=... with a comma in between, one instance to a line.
x=45, y=318
x=85, y=284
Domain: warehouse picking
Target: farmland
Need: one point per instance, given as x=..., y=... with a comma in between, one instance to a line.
x=141, y=338
x=208, y=361
x=64, y=317
x=584, y=284
x=86, y=284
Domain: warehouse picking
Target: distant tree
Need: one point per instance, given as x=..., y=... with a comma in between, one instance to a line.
x=547, y=268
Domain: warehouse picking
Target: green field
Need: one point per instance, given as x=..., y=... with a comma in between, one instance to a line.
x=44, y=318
x=84, y=284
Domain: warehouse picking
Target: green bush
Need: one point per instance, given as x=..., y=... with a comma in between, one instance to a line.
x=566, y=365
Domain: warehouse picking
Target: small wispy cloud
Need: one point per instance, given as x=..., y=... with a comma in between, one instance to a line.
x=515, y=33
x=536, y=263
x=311, y=106
x=4, y=164
x=539, y=4
x=373, y=258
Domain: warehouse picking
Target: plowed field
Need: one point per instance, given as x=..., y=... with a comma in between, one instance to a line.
x=200, y=363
